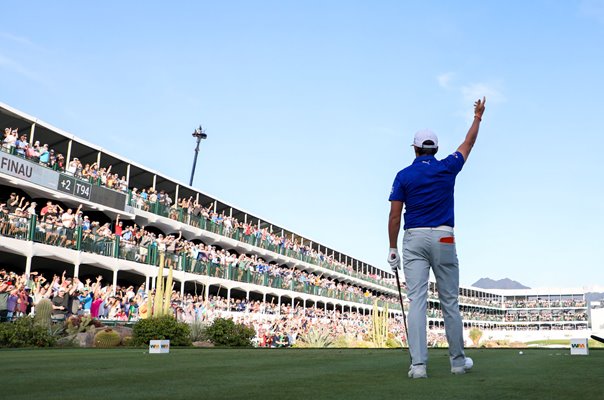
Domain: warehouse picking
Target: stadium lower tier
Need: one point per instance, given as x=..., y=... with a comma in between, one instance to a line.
x=194, y=277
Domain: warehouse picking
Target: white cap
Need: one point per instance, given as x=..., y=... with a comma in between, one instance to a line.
x=422, y=136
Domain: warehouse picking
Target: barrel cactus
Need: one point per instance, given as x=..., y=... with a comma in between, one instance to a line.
x=107, y=338
x=43, y=313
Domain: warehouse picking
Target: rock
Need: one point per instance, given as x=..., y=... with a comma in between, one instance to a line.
x=203, y=344
x=84, y=339
x=123, y=331
x=67, y=341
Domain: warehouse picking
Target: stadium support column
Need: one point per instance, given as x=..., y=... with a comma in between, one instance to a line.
x=28, y=265
x=147, y=277
x=32, y=131
x=114, y=280
x=128, y=175
x=229, y=299
x=68, y=157
x=76, y=270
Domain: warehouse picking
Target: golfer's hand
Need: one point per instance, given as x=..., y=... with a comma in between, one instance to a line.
x=394, y=260
x=479, y=107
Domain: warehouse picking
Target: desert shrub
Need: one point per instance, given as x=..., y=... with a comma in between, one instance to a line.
x=198, y=331
x=161, y=328
x=81, y=323
x=362, y=344
x=24, y=333
x=225, y=332
x=315, y=338
x=342, y=341
x=475, y=335
x=393, y=343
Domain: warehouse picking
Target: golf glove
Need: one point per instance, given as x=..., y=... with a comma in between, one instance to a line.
x=394, y=260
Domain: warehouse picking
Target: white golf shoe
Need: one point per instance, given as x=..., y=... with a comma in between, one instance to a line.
x=469, y=363
x=417, y=371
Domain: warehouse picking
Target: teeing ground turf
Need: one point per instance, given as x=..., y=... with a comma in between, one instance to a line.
x=130, y=374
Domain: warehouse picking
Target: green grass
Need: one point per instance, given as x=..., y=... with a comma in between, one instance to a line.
x=564, y=342
x=295, y=374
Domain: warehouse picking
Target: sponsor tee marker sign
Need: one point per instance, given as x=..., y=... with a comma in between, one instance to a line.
x=578, y=347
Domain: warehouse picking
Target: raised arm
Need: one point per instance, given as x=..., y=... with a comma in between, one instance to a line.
x=466, y=147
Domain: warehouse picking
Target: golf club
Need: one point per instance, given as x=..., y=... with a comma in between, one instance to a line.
x=400, y=297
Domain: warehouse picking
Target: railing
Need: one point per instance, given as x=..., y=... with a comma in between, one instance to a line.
x=201, y=222
x=30, y=229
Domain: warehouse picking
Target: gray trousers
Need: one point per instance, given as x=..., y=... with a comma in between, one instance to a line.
x=422, y=249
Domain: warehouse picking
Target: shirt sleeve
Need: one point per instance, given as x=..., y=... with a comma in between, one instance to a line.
x=397, y=193
x=454, y=162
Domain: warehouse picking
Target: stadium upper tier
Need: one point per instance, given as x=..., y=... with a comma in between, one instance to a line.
x=96, y=177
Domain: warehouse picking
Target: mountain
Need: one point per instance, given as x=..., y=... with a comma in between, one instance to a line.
x=592, y=296
x=487, y=283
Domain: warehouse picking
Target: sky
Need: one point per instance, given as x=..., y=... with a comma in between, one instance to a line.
x=310, y=108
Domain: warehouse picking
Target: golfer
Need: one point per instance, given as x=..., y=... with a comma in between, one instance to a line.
x=426, y=189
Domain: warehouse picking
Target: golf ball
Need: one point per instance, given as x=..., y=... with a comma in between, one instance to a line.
x=520, y=352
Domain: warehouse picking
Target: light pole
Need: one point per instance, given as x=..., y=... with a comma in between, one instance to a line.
x=198, y=134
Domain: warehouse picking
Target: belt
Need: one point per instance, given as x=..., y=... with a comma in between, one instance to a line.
x=445, y=228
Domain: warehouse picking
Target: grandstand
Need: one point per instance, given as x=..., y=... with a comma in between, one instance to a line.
x=132, y=213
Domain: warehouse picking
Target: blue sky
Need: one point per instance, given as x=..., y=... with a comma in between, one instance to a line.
x=310, y=108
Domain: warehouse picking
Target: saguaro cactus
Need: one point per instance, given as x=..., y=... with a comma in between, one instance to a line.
x=168, y=294
x=159, y=287
x=379, y=332
x=43, y=313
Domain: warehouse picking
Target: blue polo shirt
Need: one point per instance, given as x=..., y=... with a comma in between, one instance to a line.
x=426, y=187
